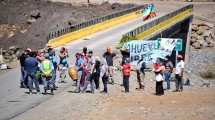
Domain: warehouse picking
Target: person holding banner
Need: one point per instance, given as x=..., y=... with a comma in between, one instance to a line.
x=159, y=78
x=179, y=70
x=141, y=66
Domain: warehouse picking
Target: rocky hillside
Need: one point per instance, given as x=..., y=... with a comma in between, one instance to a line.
x=26, y=23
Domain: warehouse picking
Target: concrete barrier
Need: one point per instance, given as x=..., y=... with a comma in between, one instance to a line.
x=91, y=29
x=163, y=24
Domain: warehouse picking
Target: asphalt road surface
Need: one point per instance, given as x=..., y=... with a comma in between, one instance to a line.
x=15, y=100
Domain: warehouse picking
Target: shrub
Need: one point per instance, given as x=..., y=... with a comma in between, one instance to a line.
x=124, y=39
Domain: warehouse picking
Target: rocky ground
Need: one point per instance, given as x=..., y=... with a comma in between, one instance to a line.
x=26, y=23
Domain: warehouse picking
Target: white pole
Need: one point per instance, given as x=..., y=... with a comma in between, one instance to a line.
x=176, y=57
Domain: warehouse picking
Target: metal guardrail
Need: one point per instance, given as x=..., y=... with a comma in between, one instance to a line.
x=94, y=21
x=157, y=21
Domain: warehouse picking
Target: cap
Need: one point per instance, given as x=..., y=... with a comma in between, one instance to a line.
x=51, y=52
x=85, y=47
x=46, y=55
x=127, y=59
x=90, y=52
x=97, y=58
x=179, y=56
x=28, y=50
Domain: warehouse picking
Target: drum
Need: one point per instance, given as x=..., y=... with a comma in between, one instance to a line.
x=73, y=73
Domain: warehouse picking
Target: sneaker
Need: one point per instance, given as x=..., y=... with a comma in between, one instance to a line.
x=137, y=88
x=30, y=93
x=45, y=92
x=22, y=86
x=64, y=81
x=175, y=91
x=51, y=93
x=76, y=91
x=168, y=90
x=38, y=93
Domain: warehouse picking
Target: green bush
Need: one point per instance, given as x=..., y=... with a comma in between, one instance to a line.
x=124, y=39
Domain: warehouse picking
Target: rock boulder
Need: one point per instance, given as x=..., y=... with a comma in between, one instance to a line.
x=35, y=14
x=197, y=45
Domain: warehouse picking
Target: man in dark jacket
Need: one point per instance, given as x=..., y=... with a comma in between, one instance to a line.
x=31, y=65
x=141, y=66
x=24, y=79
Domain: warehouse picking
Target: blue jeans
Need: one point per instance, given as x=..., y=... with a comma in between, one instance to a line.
x=54, y=73
x=32, y=78
x=90, y=79
x=78, y=84
x=167, y=78
x=24, y=77
x=126, y=82
x=48, y=83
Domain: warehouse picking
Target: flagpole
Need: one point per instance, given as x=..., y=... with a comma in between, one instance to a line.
x=176, y=57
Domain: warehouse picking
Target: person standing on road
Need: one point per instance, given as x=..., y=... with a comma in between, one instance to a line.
x=104, y=74
x=179, y=71
x=24, y=78
x=90, y=72
x=126, y=74
x=53, y=59
x=79, y=65
x=97, y=73
x=47, y=70
x=84, y=73
x=141, y=66
x=168, y=72
x=63, y=64
x=40, y=58
x=110, y=56
x=31, y=65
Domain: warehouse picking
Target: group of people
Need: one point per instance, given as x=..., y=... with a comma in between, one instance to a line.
x=163, y=72
x=91, y=68
x=40, y=67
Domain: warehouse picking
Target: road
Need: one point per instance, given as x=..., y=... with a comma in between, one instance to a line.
x=15, y=101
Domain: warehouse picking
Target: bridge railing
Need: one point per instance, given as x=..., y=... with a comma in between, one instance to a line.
x=72, y=28
x=157, y=21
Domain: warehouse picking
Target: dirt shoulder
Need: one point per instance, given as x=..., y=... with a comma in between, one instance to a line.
x=195, y=102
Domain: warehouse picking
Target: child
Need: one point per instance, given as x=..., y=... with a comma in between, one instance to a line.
x=126, y=74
